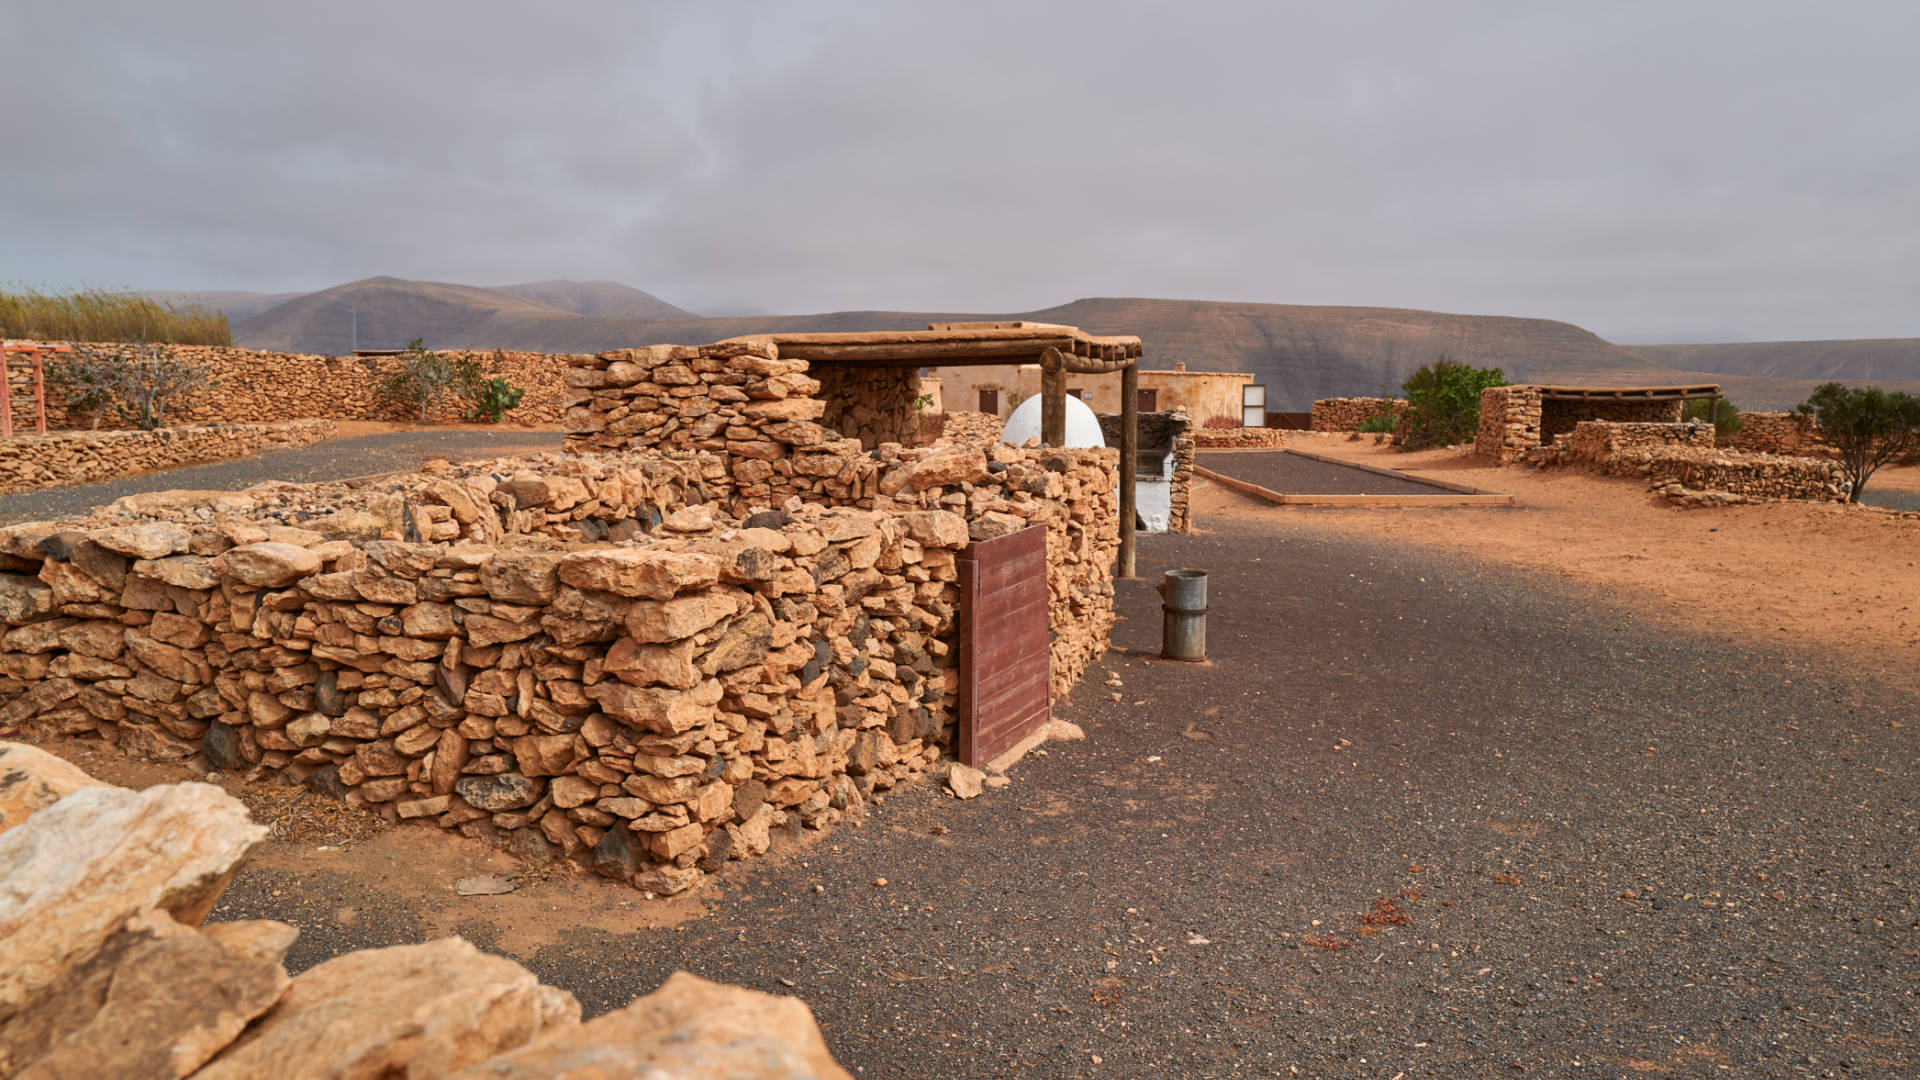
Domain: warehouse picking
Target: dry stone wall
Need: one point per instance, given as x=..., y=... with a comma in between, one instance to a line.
x=758, y=410
x=1509, y=423
x=1679, y=461
x=871, y=404
x=81, y=457
x=1245, y=438
x=647, y=708
x=1347, y=414
x=255, y=386
x=1778, y=433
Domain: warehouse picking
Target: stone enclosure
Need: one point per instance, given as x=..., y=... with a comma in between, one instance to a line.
x=713, y=619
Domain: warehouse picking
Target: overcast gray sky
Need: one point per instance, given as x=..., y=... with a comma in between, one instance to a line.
x=1671, y=170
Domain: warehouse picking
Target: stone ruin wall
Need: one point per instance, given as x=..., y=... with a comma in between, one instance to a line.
x=1561, y=417
x=1165, y=434
x=1347, y=414
x=257, y=386
x=1778, y=433
x=1680, y=462
x=79, y=457
x=871, y=404
x=1517, y=419
x=1509, y=423
x=593, y=657
x=1245, y=438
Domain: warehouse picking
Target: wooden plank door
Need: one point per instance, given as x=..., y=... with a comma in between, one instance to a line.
x=1004, y=644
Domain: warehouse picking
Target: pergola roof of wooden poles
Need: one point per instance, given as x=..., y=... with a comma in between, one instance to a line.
x=1690, y=392
x=1056, y=348
x=961, y=344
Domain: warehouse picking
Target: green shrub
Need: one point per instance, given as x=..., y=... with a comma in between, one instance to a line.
x=1443, y=403
x=1868, y=426
x=136, y=383
x=103, y=315
x=427, y=378
x=1382, y=423
x=492, y=399
x=1725, y=422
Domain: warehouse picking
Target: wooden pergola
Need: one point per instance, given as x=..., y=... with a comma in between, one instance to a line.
x=1689, y=392
x=1057, y=349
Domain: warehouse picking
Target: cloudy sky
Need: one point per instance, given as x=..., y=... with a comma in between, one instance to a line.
x=1672, y=170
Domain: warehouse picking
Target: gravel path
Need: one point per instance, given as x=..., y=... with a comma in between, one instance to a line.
x=1293, y=474
x=335, y=459
x=1590, y=849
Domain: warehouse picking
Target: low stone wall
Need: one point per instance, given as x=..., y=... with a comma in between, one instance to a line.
x=647, y=708
x=1778, y=433
x=976, y=427
x=112, y=972
x=1347, y=414
x=82, y=457
x=251, y=384
x=1681, y=462
x=1247, y=438
x=1597, y=442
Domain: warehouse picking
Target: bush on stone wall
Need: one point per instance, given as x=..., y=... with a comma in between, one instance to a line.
x=1444, y=403
x=135, y=382
x=1726, y=419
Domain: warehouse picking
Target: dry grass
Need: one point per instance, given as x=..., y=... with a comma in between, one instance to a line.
x=298, y=816
x=103, y=315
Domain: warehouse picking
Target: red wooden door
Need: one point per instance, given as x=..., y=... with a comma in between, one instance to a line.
x=1004, y=656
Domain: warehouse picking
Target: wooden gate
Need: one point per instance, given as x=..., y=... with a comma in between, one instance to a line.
x=1004, y=656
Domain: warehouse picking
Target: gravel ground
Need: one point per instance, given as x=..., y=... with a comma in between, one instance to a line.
x=1292, y=474
x=1890, y=498
x=1586, y=848
x=335, y=459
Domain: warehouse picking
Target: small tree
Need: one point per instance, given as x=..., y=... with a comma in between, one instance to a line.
x=135, y=383
x=1443, y=402
x=1726, y=419
x=426, y=378
x=492, y=398
x=1868, y=426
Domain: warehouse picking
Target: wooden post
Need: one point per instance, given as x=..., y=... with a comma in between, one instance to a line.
x=1129, y=461
x=39, y=395
x=6, y=399
x=1053, y=398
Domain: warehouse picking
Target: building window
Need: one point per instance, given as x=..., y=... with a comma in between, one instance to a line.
x=990, y=402
x=1146, y=400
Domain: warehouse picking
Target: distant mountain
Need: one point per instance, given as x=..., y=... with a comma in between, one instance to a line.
x=602, y=299
x=1299, y=353
x=1865, y=359
x=235, y=305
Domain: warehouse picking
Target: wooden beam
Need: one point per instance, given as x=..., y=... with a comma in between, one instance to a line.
x=1129, y=464
x=1053, y=398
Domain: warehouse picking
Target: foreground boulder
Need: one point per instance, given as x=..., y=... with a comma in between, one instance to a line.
x=73, y=874
x=688, y=1028
x=32, y=780
x=412, y=1011
x=157, y=1000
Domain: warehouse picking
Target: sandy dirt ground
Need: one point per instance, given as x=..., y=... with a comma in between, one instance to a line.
x=352, y=428
x=1834, y=577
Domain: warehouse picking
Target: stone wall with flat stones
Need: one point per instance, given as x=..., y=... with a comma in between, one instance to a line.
x=713, y=618
x=1681, y=462
x=83, y=457
x=250, y=386
x=1347, y=414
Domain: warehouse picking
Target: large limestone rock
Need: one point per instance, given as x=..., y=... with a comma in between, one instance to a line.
x=270, y=564
x=688, y=1028
x=157, y=1000
x=406, y=1013
x=77, y=870
x=32, y=780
